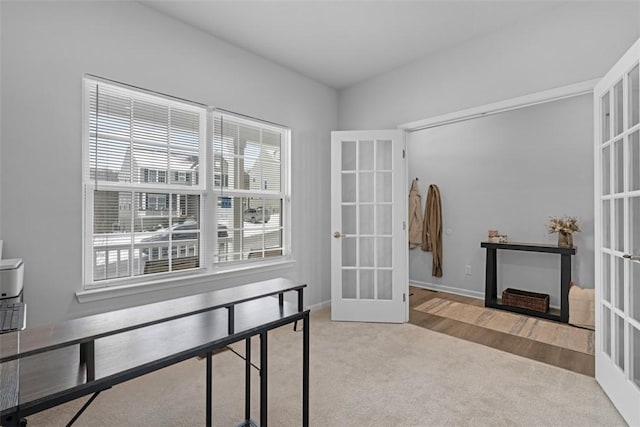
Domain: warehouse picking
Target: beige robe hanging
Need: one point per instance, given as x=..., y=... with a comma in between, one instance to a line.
x=415, y=216
x=432, y=229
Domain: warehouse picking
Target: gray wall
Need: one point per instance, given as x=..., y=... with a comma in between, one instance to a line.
x=1, y=131
x=46, y=49
x=577, y=42
x=510, y=172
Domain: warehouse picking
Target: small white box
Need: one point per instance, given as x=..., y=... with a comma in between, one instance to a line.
x=11, y=275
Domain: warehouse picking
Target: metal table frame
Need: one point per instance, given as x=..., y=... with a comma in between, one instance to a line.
x=12, y=411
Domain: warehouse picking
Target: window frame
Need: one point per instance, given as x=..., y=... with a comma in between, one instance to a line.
x=283, y=194
x=205, y=188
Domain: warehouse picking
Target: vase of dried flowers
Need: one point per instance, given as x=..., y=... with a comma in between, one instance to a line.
x=565, y=239
x=565, y=227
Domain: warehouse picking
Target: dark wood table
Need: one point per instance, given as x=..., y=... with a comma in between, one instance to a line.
x=491, y=280
x=49, y=365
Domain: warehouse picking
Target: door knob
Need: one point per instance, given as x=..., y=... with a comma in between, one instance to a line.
x=631, y=257
x=337, y=235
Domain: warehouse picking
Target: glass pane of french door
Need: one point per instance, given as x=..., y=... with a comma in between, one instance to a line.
x=634, y=96
x=609, y=235
x=634, y=168
x=635, y=361
x=620, y=343
x=606, y=330
x=606, y=277
x=634, y=298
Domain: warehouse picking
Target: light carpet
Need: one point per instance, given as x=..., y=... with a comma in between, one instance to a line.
x=533, y=328
x=362, y=374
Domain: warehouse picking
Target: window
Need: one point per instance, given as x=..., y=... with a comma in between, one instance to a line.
x=145, y=204
x=151, y=175
x=157, y=202
x=249, y=184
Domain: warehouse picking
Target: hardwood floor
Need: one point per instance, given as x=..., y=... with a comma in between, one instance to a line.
x=564, y=358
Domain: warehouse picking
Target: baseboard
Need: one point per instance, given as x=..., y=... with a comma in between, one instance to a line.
x=456, y=291
x=424, y=285
x=320, y=305
x=449, y=289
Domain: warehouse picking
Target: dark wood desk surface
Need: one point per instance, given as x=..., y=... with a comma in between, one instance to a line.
x=49, y=337
x=531, y=247
x=58, y=374
x=9, y=379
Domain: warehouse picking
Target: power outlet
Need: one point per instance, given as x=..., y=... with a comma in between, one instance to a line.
x=467, y=270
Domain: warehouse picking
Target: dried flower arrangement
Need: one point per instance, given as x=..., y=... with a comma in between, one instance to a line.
x=565, y=224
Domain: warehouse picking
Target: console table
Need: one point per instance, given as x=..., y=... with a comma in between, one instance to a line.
x=46, y=366
x=491, y=280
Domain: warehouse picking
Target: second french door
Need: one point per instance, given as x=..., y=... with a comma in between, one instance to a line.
x=617, y=237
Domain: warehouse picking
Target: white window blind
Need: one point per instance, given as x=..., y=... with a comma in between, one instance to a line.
x=249, y=181
x=142, y=183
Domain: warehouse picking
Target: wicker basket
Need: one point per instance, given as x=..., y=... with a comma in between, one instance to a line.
x=525, y=299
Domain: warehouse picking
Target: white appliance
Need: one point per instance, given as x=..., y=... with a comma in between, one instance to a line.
x=11, y=275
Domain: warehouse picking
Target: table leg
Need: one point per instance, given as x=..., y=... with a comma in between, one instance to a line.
x=231, y=316
x=565, y=279
x=491, y=279
x=209, y=396
x=300, y=300
x=305, y=371
x=87, y=356
x=247, y=380
x=81, y=411
x=263, y=379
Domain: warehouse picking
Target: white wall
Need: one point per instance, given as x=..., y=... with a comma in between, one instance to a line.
x=510, y=172
x=576, y=42
x=47, y=48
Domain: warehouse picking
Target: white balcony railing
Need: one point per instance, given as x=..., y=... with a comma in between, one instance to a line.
x=114, y=256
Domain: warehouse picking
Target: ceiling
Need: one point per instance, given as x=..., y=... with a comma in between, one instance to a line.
x=340, y=43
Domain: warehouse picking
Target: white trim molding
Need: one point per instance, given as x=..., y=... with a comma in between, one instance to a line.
x=452, y=290
x=448, y=289
x=529, y=100
x=320, y=305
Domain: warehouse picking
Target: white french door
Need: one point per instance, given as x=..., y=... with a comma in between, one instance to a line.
x=617, y=237
x=369, y=254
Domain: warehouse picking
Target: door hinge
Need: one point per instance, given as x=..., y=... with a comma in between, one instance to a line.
x=404, y=225
x=404, y=297
x=403, y=153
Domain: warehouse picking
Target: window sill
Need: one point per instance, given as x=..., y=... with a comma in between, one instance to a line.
x=97, y=294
